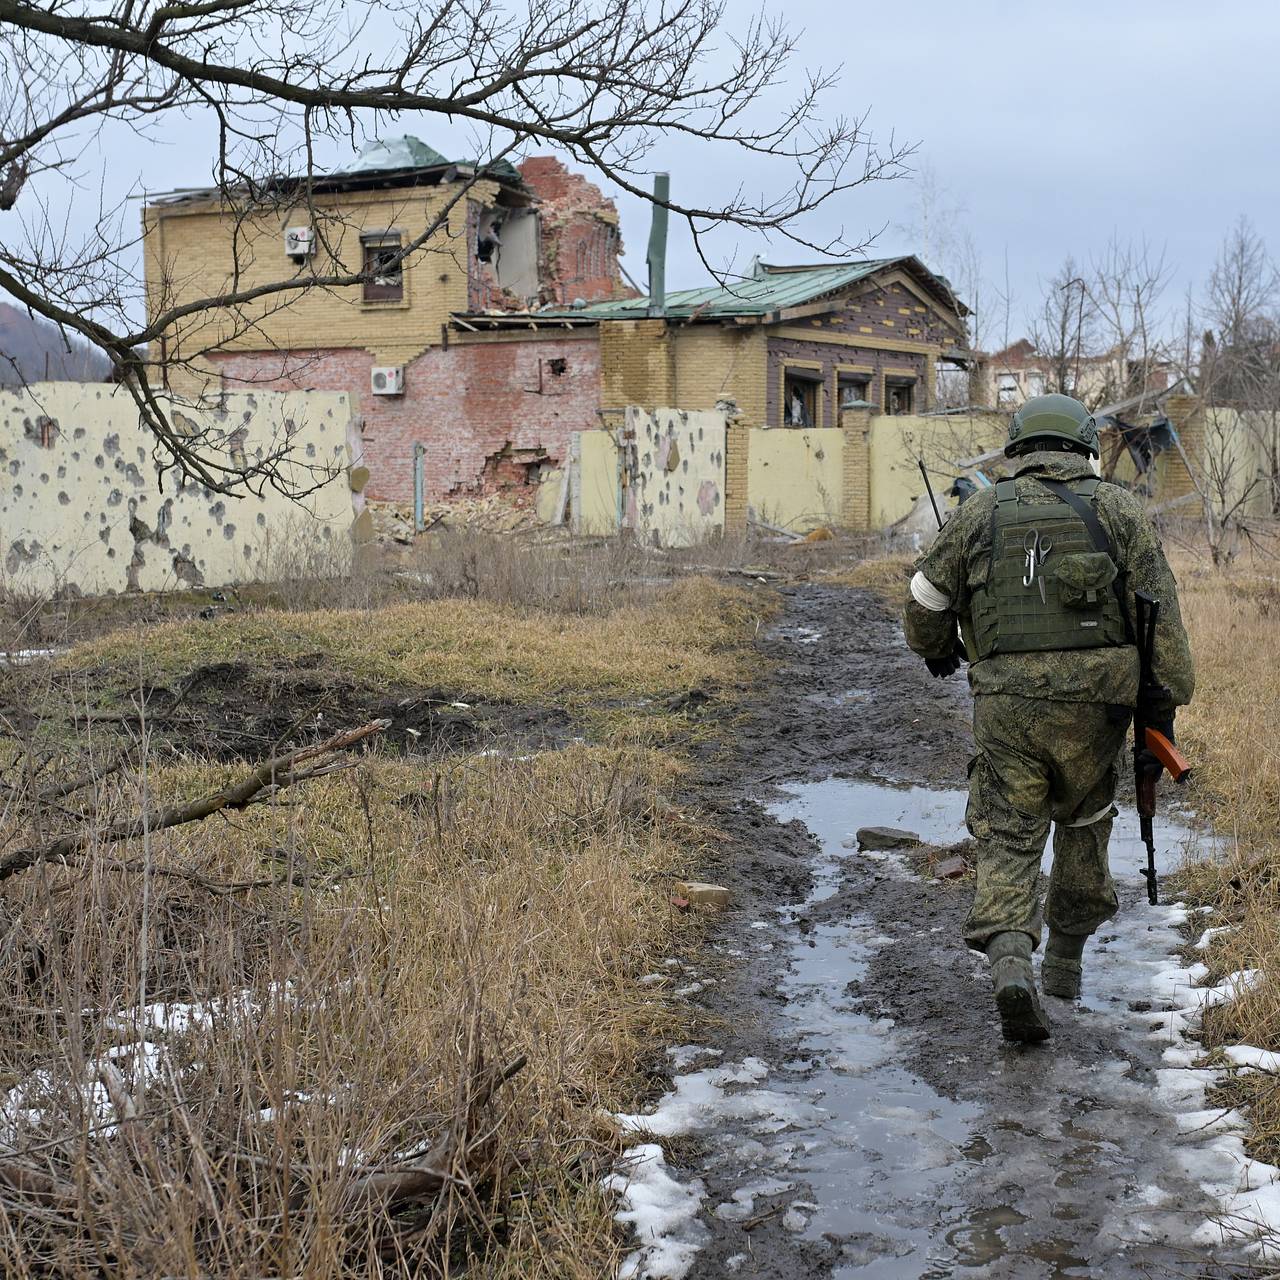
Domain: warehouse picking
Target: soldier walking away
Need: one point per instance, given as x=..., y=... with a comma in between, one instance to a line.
x=1033, y=582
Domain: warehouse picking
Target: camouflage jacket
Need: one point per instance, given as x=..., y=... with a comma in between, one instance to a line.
x=1077, y=675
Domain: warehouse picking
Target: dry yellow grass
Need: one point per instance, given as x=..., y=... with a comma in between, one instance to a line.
x=1229, y=731
x=435, y=910
x=886, y=574
x=681, y=638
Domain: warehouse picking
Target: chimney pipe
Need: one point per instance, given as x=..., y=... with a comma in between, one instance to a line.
x=658, y=246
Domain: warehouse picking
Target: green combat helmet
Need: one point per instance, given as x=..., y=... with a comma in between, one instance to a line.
x=1052, y=418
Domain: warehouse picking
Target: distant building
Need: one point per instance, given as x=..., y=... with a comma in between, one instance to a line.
x=1007, y=378
x=797, y=345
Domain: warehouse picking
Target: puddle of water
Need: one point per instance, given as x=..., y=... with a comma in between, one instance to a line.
x=888, y=1158
x=843, y=1142
x=846, y=698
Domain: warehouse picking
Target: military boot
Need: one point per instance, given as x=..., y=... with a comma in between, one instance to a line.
x=1021, y=1017
x=1060, y=972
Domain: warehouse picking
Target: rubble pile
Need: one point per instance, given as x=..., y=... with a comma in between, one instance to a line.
x=493, y=513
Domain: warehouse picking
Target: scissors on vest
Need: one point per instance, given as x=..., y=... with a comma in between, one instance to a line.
x=1036, y=549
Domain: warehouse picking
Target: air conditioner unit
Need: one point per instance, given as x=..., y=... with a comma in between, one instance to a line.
x=387, y=380
x=300, y=243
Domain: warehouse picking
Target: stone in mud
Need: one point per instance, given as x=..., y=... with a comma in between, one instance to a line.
x=950, y=869
x=703, y=895
x=886, y=838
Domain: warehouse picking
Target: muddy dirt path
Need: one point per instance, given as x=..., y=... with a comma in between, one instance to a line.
x=849, y=1109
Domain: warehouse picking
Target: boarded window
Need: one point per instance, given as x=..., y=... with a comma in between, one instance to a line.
x=382, y=268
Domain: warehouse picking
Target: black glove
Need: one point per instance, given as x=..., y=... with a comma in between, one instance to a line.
x=948, y=666
x=1147, y=762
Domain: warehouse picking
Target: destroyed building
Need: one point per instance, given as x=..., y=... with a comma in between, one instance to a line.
x=471, y=362
x=479, y=408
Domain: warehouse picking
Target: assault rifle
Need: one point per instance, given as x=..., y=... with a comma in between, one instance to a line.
x=1145, y=738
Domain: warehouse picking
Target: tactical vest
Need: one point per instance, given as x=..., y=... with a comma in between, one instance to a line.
x=1081, y=608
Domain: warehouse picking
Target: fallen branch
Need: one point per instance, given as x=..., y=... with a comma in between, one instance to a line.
x=61, y=789
x=271, y=777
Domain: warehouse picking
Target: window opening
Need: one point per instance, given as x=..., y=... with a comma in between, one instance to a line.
x=383, y=269
x=901, y=395
x=801, y=401
x=854, y=389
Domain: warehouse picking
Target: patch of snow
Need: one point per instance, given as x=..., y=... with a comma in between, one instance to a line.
x=684, y=1056
x=662, y=1212
x=694, y=987
x=1209, y=934
x=700, y=1098
x=1245, y=1055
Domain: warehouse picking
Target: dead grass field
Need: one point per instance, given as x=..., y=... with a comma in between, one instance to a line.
x=233, y=1045
x=1229, y=731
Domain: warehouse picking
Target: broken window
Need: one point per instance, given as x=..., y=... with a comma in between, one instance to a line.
x=383, y=267
x=1007, y=391
x=800, y=399
x=900, y=394
x=855, y=390
x=1035, y=384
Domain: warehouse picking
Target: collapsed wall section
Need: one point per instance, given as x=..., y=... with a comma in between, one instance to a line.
x=491, y=413
x=580, y=241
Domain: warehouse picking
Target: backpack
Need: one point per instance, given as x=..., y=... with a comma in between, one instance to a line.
x=1074, y=567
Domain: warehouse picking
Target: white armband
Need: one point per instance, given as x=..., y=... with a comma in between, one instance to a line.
x=927, y=596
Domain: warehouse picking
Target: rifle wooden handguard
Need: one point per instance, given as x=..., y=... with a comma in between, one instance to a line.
x=1177, y=764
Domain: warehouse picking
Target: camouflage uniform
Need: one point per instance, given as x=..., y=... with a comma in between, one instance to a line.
x=1048, y=726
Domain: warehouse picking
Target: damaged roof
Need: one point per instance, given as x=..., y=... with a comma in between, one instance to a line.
x=768, y=290
x=391, y=162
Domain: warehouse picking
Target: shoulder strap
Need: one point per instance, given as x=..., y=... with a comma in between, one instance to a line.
x=1083, y=507
x=1101, y=539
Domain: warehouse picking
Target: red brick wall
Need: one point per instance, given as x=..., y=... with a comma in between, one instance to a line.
x=467, y=405
x=580, y=240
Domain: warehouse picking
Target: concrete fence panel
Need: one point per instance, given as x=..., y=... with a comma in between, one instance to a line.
x=795, y=477
x=85, y=505
x=675, y=464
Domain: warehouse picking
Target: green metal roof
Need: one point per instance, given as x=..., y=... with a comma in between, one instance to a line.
x=770, y=289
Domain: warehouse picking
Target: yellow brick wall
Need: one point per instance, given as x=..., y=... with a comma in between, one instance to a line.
x=1187, y=415
x=856, y=486
x=713, y=361
x=636, y=365
x=196, y=251
x=737, y=456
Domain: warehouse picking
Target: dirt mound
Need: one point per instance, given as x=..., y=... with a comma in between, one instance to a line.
x=233, y=710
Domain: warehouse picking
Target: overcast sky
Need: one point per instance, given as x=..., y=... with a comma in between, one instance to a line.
x=1051, y=128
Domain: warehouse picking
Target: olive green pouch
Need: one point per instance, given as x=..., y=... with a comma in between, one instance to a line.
x=1084, y=578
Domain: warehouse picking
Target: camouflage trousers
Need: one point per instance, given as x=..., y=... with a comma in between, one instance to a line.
x=1038, y=762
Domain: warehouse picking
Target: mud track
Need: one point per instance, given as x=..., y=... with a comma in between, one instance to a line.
x=891, y=1133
